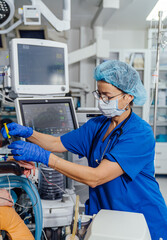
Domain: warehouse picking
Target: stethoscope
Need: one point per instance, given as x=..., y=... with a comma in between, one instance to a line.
x=115, y=135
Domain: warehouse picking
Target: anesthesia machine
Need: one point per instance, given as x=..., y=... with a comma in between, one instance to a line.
x=37, y=81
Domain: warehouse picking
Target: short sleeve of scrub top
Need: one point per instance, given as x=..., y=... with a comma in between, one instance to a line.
x=79, y=141
x=132, y=152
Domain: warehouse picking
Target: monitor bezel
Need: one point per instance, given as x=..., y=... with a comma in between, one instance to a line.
x=31, y=90
x=19, y=102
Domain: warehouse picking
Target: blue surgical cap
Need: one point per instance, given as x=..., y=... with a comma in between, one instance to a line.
x=122, y=76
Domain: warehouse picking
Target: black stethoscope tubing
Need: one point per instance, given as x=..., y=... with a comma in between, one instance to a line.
x=118, y=130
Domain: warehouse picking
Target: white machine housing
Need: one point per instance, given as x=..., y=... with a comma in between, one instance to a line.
x=31, y=15
x=55, y=84
x=84, y=114
x=58, y=213
x=118, y=225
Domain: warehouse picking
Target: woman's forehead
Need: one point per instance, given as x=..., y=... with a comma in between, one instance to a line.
x=106, y=87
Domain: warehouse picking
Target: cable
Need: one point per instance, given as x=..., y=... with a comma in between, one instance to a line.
x=6, y=199
x=35, y=197
x=52, y=183
x=59, y=186
x=20, y=204
x=22, y=212
x=44, y=234
x=17, y=203
x=33, y=192
x=28, y=217
x=6, y=97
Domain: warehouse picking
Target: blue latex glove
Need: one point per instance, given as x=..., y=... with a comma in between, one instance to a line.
x=29, y=152
x=17, y=130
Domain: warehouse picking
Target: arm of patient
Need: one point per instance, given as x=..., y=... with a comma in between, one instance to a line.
x=28, y=167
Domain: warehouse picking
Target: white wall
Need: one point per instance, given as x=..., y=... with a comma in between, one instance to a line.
x=73, y=44
x=119, y=39
x=87, y=67
x=126, y=39
x=82, y=71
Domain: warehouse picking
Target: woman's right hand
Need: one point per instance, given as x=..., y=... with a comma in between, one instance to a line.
x=17, y=130
x=4, y=194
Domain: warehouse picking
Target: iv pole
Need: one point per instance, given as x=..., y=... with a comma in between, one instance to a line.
x=156, y=74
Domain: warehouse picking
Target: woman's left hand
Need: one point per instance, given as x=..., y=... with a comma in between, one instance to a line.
x=26, y=151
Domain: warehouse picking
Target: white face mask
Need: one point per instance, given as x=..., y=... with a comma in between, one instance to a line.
x=111, y=109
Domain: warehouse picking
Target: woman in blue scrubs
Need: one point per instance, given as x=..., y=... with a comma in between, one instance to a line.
x=119, y=146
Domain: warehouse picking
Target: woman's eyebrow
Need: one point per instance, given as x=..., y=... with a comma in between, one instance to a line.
x=107, y=93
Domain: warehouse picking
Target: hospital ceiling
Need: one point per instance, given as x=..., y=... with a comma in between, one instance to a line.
x=130, y=15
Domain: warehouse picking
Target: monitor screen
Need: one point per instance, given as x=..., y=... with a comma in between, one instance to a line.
x=39, y=67
x=50, y=116
x=27, y=31
x=38, y=34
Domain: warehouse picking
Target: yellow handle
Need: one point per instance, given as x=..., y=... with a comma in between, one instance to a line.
x=7, y=130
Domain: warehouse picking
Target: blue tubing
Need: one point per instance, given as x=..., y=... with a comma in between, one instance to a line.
x=21, y=182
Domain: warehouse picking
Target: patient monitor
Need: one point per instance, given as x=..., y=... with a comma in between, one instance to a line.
x=38, y=67
x=53, y=116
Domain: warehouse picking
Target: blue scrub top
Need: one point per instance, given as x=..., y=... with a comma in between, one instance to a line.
x=134, y=191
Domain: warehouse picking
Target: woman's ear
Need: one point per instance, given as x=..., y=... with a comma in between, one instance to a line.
x=129, y=98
